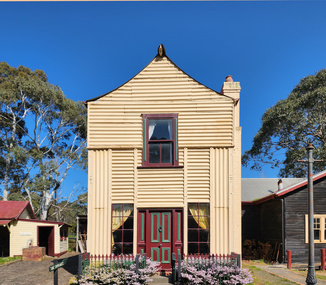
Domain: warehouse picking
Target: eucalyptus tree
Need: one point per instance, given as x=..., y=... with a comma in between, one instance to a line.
x=43, y=135
x=288, y=126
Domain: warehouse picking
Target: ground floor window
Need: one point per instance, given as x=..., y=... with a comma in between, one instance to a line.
x=319, y=228
x=63, y=233
x=198, y=228
x=122, y=228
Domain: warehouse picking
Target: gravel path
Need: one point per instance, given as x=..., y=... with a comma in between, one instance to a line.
x=37, y=273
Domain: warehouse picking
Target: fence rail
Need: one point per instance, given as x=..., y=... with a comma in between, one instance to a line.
x=202, y=262
x=104, y=263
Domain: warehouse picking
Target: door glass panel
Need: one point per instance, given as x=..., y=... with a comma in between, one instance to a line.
x=154, y=152
x=166, y=152
x=160, y=129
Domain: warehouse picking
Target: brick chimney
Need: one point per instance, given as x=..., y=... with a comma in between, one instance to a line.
x=232, y=89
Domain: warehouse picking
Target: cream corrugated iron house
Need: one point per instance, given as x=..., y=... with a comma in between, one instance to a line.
x=20, y=229
x=164, y=166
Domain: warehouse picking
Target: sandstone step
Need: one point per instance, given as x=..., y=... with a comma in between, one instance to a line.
x=158, y=280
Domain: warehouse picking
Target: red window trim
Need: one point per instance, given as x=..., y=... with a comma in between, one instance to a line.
x=175, y=150
x=122, y=243
x=198, y=228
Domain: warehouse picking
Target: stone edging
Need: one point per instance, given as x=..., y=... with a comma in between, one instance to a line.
x=11, y=262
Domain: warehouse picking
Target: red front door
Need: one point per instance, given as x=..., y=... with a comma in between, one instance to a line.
x=160, y=235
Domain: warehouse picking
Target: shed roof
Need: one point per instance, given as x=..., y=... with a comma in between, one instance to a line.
x=4, y=222
x=13, y=209
x=263, y=189
x=256, y=188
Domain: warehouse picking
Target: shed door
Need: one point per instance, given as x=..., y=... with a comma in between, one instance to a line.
x=159, y=237
x=46, y=239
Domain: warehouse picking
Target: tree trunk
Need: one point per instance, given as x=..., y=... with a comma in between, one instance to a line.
x=6, y=188
x=45, y=205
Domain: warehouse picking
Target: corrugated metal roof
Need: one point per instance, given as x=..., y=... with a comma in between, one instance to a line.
x=13, y=209
x=4, y=222
x=256, y=188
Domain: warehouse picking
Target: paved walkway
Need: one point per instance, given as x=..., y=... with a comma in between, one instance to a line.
x=37, y=273
x=282, y=271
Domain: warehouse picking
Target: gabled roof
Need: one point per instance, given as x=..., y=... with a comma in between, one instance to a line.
x=11, y=210
x=158, y=56
x=301, y=182
x=257, y=188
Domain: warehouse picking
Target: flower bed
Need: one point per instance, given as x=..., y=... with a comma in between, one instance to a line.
x=214, y=273
x=111, y=274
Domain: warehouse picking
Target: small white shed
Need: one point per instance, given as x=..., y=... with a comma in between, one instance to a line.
x=20, y=229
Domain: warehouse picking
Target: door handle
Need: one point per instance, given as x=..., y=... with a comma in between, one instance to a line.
x=160, y=229
x=159, y=246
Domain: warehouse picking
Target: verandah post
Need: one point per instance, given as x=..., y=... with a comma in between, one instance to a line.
x=289, y=259
x=322, y=256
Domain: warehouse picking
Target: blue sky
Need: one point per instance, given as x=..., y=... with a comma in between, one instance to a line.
x=90, y=48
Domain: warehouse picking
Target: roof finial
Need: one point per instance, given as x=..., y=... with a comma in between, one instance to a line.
x=161, y=50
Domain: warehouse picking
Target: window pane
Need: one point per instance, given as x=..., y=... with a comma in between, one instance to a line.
x=127, y=236
x=166, y=152
x=117, y=248
x=154, y=153
x=117, y=236
x=203, y=235
x=128, y=223
x=128, y=207
x=192, y=248
x=317, y=223
x=203, y=248
x=316, y=234
x=192, y=223
x=160, y=129
x=117, y=210
x=192, y=235
x=127, y=248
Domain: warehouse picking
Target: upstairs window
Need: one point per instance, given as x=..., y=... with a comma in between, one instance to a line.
x=160, y=140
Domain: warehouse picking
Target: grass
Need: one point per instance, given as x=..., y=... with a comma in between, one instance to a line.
x=4, y=260
x=319, y=274
x=262, y=277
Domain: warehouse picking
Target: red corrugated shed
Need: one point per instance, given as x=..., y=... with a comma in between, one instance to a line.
x=13, y=209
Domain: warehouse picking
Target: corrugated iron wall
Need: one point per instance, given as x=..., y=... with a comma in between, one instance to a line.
x=117, y=179
x=205, y=139
x=205, y=117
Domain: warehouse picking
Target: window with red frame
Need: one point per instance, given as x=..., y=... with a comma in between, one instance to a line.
x=122, y=228
x=160, y=140
x=198, y=228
